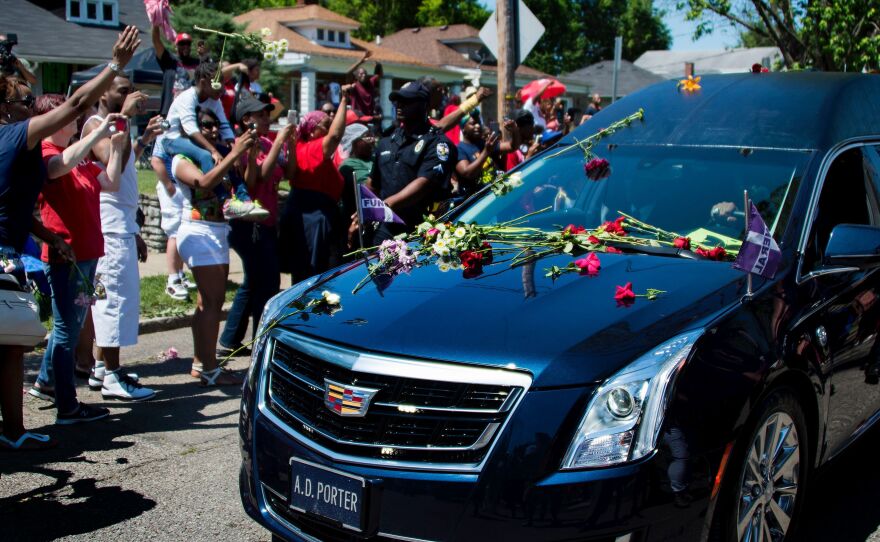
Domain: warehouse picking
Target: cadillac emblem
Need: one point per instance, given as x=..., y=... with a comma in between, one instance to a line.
x=345, y=400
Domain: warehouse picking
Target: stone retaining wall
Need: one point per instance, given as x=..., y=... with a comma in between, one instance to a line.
x=152, y=233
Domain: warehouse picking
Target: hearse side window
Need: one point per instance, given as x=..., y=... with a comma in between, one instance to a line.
x=848, y=196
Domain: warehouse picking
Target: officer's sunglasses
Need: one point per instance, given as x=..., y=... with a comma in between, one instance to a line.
x=28, y=101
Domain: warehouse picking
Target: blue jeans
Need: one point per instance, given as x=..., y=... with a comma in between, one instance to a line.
x=186, y=147
x=58, y=361
x=257, y=245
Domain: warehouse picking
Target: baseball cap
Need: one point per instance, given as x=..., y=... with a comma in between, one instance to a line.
x=353, y=132
x=411, y=91
x=183, y=37
x=523, y=117
x=550, y=136
x=249, y=104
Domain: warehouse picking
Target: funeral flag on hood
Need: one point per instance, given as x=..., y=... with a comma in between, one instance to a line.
x=373, y=209
x=759, y=253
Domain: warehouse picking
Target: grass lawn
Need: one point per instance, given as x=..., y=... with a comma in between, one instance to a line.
x=155, y=303
x=147, y=182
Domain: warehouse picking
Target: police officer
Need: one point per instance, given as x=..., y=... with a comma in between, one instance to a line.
x=412, y=166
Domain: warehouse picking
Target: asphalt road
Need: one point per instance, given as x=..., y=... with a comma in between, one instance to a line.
x=167, y=469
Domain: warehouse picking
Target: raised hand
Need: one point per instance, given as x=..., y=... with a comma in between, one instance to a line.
x=127, y=43
x=133, y=104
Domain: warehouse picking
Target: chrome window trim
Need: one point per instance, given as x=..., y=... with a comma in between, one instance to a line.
x=829, y=158
x=386, y=364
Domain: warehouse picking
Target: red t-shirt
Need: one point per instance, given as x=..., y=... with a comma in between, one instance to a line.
x=454, y=133
x=70, y=206
x=363, y=96
x=316, y=173
x=266, y=192
x=513, y=159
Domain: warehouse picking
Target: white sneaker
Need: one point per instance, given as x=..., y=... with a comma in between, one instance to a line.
x=188, y=284
x=176, y=290
x=99, y=371
x=120, y=386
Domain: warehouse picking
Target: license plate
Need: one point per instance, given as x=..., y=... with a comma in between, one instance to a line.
x=328, y=493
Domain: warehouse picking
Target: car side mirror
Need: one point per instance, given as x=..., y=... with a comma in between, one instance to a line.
x=853, y=245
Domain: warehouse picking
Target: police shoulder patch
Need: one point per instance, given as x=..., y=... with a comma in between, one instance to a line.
x=443, y=152
x=419, y=146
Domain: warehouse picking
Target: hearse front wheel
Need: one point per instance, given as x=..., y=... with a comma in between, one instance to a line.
x=766, y=479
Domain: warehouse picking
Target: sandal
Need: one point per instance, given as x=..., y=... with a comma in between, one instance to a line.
x=220, y=377
x=27, y=442
x=196, y=370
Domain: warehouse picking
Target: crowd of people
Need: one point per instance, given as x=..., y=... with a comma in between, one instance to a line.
x=219, y=165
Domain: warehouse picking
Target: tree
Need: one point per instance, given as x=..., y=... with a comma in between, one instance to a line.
x=190, y=14
x=384, y=17
x=823, y=34
x=582, y=32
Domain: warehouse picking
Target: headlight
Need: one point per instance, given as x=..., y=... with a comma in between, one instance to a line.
x=275, y=305
x=623, y=419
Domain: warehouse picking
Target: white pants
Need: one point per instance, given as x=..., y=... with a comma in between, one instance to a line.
x=116, y=317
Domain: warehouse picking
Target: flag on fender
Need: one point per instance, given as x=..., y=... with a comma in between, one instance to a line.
x=759, y=252
x=373, y=209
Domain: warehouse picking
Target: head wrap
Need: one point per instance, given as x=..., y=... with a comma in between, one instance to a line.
x=475, y=114
x=308, y=123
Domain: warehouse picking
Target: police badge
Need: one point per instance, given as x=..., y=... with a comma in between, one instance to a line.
x=443, y=152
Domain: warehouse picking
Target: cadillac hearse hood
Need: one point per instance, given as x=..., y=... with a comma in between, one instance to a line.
x=565, y=332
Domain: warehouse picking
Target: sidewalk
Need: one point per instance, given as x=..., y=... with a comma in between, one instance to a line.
x=155, y=265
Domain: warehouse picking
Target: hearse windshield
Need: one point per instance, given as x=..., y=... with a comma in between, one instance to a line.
x=692, y=191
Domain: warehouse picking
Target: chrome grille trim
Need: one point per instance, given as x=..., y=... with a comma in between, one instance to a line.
x=481, y=441
x=395, y=367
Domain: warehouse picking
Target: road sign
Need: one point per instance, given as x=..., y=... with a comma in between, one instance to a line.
x=530, y=31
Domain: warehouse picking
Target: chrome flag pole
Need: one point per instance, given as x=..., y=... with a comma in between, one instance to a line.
x=747, y=208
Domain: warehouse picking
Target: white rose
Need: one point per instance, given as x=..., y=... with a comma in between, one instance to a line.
x=460, y=232
x=515, y=179
x=265, y=32
x=330, y=298
x=441, y=226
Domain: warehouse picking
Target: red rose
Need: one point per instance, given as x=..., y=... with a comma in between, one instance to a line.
x=574, y=230
x=472, y=263
x=589, y=265
x=486, y=254
x=612, y=250
x=593, y=240
x=614, y=227
x=624, y=293
x=682, y=242
x=718, y=254
x=597, y=169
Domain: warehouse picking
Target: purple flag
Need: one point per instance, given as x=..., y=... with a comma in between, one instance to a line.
x=759, y=253
x=373, y=209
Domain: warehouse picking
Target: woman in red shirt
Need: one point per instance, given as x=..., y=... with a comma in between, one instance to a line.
x=70, y=208
x=311, y=217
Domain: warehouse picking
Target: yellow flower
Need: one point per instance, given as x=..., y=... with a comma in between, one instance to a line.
x=690, y=84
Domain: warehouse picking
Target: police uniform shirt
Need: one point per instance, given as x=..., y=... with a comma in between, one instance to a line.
x=400, y=159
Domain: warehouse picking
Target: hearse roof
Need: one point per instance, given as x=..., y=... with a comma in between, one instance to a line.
x=797, y=110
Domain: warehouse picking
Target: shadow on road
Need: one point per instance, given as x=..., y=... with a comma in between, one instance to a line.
x=69, y=505
x=844, y=495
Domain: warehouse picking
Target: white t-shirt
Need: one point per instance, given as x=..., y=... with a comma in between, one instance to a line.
x=535, y=109
x=119, y=209
x=182, y=115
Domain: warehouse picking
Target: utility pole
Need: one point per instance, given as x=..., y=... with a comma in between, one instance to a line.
x=508, y=56
x=618, y=50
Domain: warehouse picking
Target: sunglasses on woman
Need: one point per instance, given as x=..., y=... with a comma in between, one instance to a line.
x=209, y=125
x=28, y=101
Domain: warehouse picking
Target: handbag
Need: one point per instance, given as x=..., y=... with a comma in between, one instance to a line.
x=19, y=314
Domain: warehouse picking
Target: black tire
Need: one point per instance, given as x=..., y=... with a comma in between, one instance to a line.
x=780, y=403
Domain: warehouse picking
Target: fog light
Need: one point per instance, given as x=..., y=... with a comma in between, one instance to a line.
x=621, y=402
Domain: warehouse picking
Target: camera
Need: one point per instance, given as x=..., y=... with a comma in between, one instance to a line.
x=119, y=125
x=165, y=125
x=7, y=59
x=252, y=126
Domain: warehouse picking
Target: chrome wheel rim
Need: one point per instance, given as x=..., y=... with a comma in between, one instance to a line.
x=769, y=483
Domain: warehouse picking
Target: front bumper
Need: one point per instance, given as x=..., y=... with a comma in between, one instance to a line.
x=518, y=495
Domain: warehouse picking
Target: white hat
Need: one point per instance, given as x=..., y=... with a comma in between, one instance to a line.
x=353, y=132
